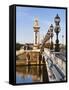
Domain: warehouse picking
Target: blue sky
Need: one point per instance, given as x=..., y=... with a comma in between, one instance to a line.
x=25, y=19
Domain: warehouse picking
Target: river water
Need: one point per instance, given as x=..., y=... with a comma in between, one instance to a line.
x=31, y=74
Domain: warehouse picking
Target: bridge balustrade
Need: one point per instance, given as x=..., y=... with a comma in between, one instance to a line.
x=55, y=64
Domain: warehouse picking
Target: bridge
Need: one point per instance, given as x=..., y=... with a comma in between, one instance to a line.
x=55, y=62
x=56, y=66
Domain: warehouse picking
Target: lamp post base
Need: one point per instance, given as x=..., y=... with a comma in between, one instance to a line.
x=51, y=46
x=57, y=49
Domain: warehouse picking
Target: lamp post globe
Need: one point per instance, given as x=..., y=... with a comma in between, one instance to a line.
x=57, y=19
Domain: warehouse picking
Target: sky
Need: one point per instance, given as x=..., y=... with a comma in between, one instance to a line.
x=25, y=17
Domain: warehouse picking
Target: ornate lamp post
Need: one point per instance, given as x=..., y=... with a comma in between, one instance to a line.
x=48, y=37
x=57, y=30
x=51, y=36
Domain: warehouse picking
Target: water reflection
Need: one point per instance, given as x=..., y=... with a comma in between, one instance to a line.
x=31, y=74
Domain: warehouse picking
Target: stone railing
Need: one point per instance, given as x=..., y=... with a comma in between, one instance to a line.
x=56, y=65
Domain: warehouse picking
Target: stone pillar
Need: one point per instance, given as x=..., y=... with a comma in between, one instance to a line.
x=36, y=32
